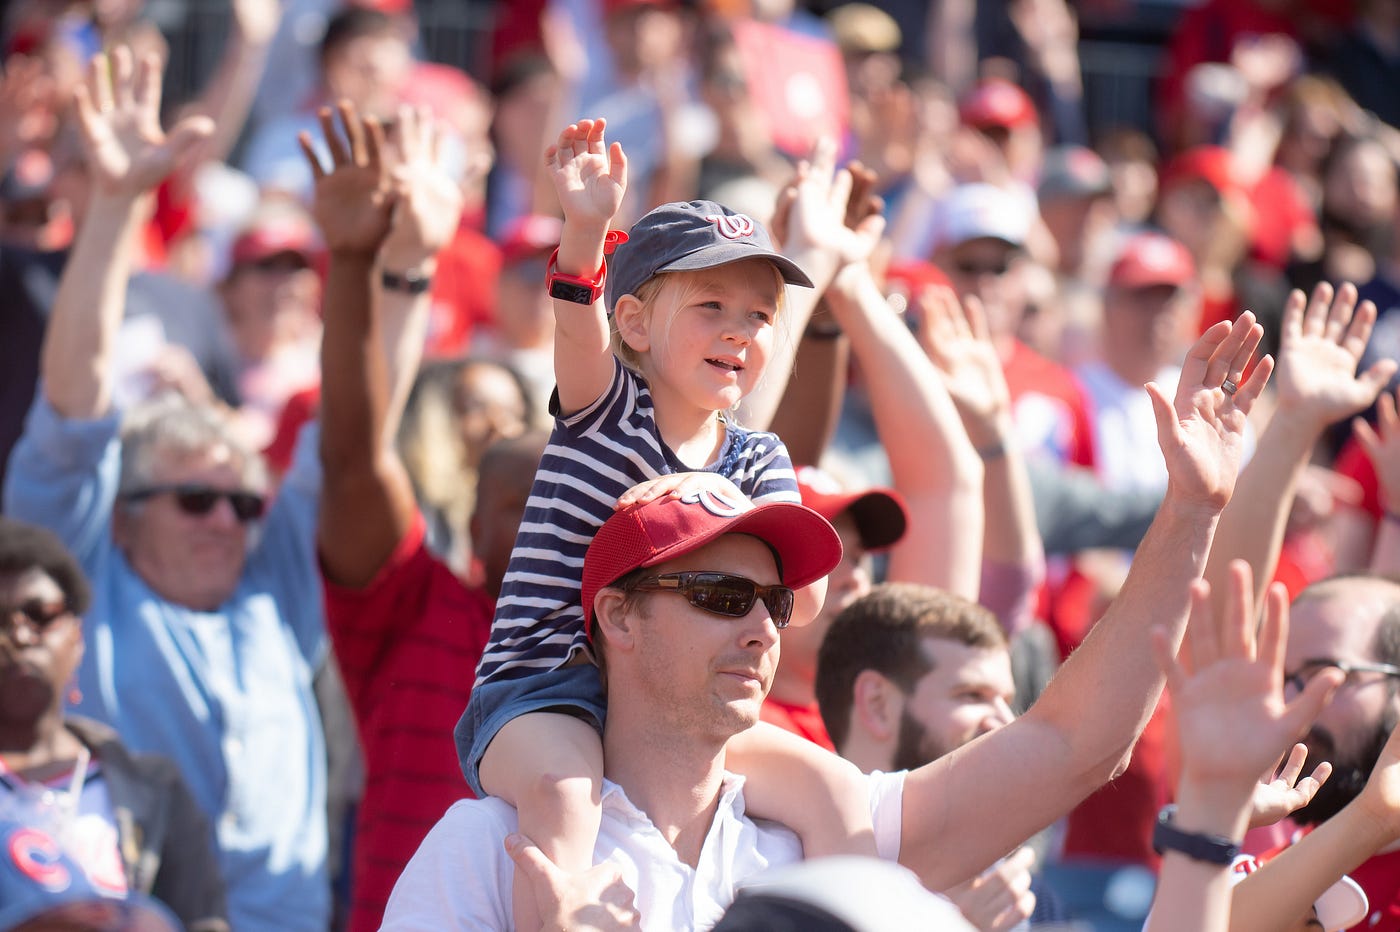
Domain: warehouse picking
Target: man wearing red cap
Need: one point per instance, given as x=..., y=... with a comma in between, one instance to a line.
x=684, y=598
x=866, y=521
x=1150, y=306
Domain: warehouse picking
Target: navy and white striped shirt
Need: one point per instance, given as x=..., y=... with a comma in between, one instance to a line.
x=592, y=458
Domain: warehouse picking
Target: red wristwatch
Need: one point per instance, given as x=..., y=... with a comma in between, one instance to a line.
x=574, y=288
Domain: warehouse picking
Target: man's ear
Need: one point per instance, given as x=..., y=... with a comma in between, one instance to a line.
x=611, y=620
x=631, y=316
x=876, y=704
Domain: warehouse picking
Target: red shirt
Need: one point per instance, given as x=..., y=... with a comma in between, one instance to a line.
x=464, y=293
x=805, y=721
x=408, y=645
x=1050, y=407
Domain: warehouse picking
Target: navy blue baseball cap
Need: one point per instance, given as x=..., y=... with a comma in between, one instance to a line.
x=685, y=236
x=38, y=881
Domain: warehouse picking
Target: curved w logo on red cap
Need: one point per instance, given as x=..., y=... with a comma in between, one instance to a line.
x=716, y=503
x=733, y=226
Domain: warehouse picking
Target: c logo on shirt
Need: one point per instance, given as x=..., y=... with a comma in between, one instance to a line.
x=38, y=857
x=716, y=503
x=733, y=226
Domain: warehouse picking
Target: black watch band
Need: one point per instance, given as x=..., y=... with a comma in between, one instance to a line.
x=410, y=282
x=1198, y=846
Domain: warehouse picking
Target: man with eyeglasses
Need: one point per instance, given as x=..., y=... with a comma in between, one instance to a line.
x=205, y=627
x=1351, y=624
x=684, y=600
x=981, y=245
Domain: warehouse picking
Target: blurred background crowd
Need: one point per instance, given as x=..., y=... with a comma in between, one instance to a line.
x=1109, y=177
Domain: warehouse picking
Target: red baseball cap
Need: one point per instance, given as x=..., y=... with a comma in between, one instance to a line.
x=1211, y=164
x=663, y=529
x=530, y=236
x=277, y=230
x=913, y=276
x=1151, y=259
x=997, y=103
x=880, y=515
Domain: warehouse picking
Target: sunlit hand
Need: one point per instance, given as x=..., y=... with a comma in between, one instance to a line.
x=257, y=20
x=353, y=201
x=1201, y=431
x=1320, y=346
x=589, y=175
x=821, y=201
x=1285, y=793
x=1228, y=701
x=429, y=199
x=999, y=898
x=118, y=108
x=679, y=485
x=1382, y=445
x=958, y=340
x=595, y=901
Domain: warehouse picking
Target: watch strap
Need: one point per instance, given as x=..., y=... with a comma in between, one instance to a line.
x=575, y=289
x=410, y=282
x=1198, y=846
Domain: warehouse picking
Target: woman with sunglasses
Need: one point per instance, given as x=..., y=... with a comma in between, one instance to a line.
x=126, y=818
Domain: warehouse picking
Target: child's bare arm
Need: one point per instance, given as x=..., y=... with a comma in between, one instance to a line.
x=822, y=797
x=550, y=767
x=590, y=178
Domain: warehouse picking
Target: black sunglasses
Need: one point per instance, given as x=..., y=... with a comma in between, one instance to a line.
x=37, y=614
x=201, y=499
x=723, y=594
x=975, y=269
x=1310, y=668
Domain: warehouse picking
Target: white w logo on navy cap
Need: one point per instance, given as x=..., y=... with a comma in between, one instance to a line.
x=733, y=226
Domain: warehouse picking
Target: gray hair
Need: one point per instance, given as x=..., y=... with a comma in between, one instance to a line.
x=172, y=426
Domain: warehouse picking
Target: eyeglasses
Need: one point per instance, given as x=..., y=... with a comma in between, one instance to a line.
x=723, y=594
x=1310, y=668
x=201, y=499
x=35, y=614
x=977, y=269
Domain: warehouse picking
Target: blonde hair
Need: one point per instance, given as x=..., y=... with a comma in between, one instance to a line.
x=687, y=283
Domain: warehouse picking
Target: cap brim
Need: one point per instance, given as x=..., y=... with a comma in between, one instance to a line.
x=131, y=915
x=725, y=253
x=804, y=541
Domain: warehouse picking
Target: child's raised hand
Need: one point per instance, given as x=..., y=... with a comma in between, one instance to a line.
x=1232, y=717
x=353, y=202
x=589, y=175
x=1286, y=793
x=679, y=485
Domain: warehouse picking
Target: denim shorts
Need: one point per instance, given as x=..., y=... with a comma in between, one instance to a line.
x=571, y=690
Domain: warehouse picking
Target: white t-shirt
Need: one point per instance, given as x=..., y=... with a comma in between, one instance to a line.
x=461, y=876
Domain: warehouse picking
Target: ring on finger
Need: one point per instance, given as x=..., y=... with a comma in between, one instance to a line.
x=1229, y=386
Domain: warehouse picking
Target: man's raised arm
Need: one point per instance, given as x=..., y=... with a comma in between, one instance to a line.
x=372, y=339
x=128, y=154
x=998, y=790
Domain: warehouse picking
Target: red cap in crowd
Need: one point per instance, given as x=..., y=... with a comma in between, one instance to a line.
x=880, y=515
x=1151, y=259
x=1211, y=164
x=665, y=528
x=914, y=276
x=530, y=236
x=277, y=231
x=997, y=103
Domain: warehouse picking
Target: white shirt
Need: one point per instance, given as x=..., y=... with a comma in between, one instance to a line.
x=461, y=876
x=1126, y=451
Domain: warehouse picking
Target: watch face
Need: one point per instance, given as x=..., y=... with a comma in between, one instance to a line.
x=570, y=291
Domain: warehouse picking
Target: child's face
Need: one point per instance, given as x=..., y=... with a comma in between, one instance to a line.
x=709, y=334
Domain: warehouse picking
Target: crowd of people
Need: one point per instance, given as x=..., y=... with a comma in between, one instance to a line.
x=1031, y=487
